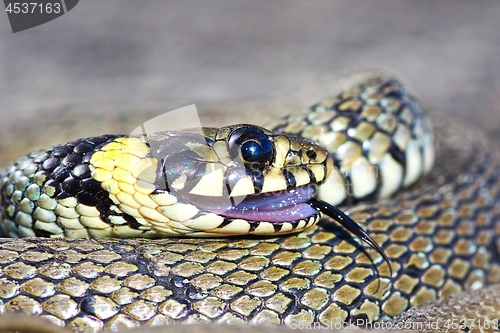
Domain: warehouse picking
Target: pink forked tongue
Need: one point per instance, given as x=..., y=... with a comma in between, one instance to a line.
x=280, y=206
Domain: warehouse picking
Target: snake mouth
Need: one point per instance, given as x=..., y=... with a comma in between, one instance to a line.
x=278, y=207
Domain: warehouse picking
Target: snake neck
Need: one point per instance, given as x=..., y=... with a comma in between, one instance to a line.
x=380, y=139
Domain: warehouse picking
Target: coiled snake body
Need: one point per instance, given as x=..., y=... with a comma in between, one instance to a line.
x=245, y=180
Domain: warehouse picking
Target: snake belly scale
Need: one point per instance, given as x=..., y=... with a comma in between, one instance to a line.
x=440, y=238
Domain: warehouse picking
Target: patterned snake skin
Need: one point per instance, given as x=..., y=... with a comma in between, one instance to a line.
x=440, y=237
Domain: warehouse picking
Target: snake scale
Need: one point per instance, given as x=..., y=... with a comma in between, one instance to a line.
x=440, y=237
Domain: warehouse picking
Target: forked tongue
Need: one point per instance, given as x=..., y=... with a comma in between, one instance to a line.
x=351, y=226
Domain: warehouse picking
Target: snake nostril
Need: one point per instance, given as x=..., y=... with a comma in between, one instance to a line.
x=311, y=154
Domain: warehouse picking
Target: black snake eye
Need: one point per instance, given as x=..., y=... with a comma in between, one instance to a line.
x=251, y=151
x=251, y=145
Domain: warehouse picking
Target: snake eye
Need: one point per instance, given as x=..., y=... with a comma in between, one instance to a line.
x=251, y=145
x=251, y=151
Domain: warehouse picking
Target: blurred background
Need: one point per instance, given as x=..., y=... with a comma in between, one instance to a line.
x=105, y=62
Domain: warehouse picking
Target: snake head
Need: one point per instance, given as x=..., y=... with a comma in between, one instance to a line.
x=240, y=179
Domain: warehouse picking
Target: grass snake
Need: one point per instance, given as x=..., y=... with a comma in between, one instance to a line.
x=439, y=237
